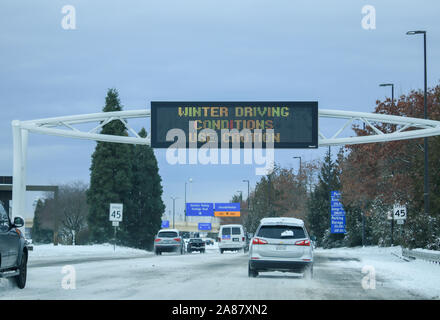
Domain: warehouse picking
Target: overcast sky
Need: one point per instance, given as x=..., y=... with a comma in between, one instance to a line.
x=199, y=50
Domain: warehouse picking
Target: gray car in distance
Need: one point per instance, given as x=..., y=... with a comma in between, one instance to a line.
x=168, y=240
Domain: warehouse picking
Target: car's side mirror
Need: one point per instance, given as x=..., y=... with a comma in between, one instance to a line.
x=18, y=222
x=313, y=238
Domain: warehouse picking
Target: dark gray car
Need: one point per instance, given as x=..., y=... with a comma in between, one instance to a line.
x=13, y=251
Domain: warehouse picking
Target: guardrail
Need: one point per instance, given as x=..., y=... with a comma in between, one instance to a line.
x=433, y=257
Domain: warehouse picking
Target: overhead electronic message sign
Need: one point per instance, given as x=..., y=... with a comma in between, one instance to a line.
x=294, y=124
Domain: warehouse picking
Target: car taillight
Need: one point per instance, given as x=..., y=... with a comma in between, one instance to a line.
x=219, y=239
x=157, y=240
x=177, y=239
x=259, y=241
x=242, y=239
x=303, y=243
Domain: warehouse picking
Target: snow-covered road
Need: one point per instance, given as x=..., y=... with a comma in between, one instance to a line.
x=136, y=274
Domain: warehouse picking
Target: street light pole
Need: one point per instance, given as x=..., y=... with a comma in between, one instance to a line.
x=425, y=111
x=248, y=196
x=392, y=105
x=392, y=90
x=190, y=180
x=174, y=208
x=300, y=166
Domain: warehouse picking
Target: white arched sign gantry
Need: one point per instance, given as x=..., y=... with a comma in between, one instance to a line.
x=406, y=128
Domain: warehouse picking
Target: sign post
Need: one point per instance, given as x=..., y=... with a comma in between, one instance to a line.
x=398, y=214
x=115, y=216
x=390, y=217
x=205, y=226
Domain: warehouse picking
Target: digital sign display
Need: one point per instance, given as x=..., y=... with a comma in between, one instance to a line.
x=294, y=124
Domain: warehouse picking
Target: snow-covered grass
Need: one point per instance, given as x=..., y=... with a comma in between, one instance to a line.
x=49, y=252
x=417, y=275
x=43, y=250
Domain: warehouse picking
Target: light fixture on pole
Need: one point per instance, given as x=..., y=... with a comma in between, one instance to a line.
x=300, y=166
x=392, y=90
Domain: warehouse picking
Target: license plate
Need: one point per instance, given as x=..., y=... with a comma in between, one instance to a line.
x=235, y=239
x=280, y=248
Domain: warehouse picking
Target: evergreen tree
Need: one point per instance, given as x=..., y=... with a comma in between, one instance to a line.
x=318, y=215
x=39, y=234
x=143, y=223
x=111, y=176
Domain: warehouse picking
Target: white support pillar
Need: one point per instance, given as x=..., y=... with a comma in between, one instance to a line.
x=17, y=169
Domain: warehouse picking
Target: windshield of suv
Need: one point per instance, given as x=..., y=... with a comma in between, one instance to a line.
x=167, y=234
x=281, y=232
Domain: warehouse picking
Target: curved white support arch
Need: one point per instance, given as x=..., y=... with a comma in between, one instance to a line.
x=65, y=127
x=419, y=127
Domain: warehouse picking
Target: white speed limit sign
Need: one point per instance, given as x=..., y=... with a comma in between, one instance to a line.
x=116, y=212
x=399, y=212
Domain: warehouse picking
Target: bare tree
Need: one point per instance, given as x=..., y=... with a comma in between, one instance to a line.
x=66, y=215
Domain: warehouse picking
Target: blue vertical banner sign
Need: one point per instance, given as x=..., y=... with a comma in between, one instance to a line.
x=338, y=221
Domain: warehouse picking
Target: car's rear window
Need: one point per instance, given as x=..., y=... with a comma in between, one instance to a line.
x=226, y=231
x=275, y=232
x=195, y=240
x=167, y=234
x=236, y=230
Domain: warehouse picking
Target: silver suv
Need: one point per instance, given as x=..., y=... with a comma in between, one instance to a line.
x=281, y=244
x=168, y=240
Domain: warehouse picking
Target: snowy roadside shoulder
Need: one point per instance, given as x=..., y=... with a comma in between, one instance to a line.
x=416, y=276
x=49, y=252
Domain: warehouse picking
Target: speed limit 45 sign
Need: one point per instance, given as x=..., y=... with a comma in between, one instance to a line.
x=116, y=212
x=399, y=212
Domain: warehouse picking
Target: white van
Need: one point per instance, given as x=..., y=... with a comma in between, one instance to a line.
x=232, y=237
